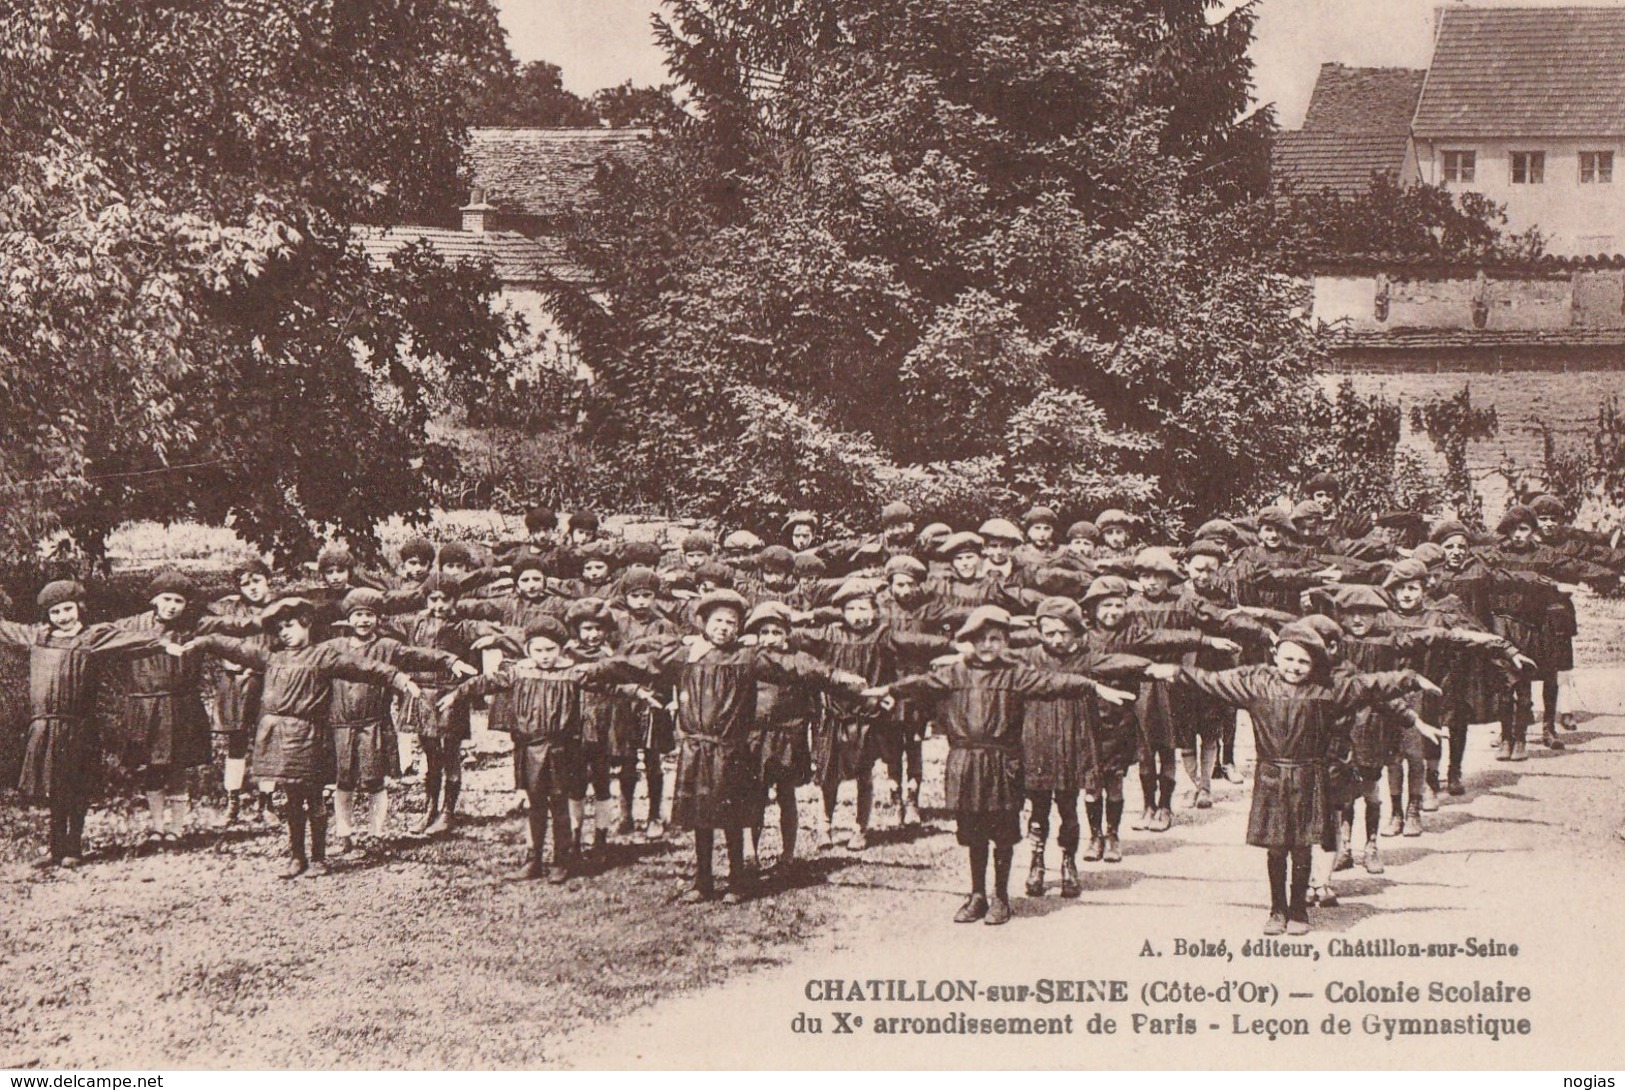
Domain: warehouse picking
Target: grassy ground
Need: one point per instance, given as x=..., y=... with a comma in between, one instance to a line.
x=428, y=955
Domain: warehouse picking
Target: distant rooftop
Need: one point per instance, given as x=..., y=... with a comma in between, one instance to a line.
x=1511, y=72
x=545, y=173
x=514, y=258
x=1358, y=124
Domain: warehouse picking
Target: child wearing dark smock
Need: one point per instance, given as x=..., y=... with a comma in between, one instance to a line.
x=62, y=753
x=979, y=699
x=1293, y=705
x=716, y=678
x=293, y=745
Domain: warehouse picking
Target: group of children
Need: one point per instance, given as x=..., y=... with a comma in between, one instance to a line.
x=1362, y=649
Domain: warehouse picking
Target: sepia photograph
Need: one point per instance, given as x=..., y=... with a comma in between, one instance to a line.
x=811, y=535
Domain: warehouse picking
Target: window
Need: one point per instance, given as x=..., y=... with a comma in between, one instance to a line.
x=1596, y=167
x=1460, y=166
x=1528, y=167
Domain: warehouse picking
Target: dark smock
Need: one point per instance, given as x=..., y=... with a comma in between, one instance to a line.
x=62, y=753
x=294, y=740
x=1061, y=736
x=422, y=716
x=849, y=736
x=980, y=707
x=716, y=721
x=546, y=727
x=237, y=688
x=1293, y=728
x=163, y=723
x=365, y=749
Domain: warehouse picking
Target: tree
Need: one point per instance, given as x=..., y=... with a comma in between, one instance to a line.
x=1415, y=221
x=533, y=96
x=962, y=250
x=190, y=329
x=627, y=107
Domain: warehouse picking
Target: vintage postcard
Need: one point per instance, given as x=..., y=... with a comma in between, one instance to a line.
x=836, y=535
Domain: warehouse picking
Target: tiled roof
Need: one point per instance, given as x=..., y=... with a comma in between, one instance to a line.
x=515, y=258
x=1366, y=100
x=1522, y=72
x=545, y=172
x=1344, y=162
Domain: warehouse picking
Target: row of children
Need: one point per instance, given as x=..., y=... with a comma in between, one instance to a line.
x=1048, y=671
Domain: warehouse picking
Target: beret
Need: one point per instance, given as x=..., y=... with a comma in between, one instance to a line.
x=1107, y=586
x=455, y=552
x=334, y=557
x=983, y=617
x=545, y=627
x=1308, y=509
x=1517, y=515
x=1409, y=570
x=1274, y=516
x=768, y=613
x=418, y=548
x=714, y=572
x=1307, y=638
x=698, y=542
x=607, y=551
x=896, y=513
x=589, y=609
x=933, y=533
x=1113, y=516
x=1353, y=596
x=1547, y=505
x=964, y=541
x=776, y=558
x=438, y=583
x=1000, y=530
x=58, y=591
x=809, y=566
x=1323, y=482
x=1156, y=559
x=171, y=582
x=639, y=577
x=252, y=566
x=1219, y=529
x=1448, y=529
x=853, y=589
x=1207, y=546
x=721, y=599
x=1040, y=514
x=647, y=553
x=741, y=541
x=1083, y=530
x=583, y=520
x=529, y=562
x=1321, y=625
x=1400, y=519
x=800, y=518
x=362, y=598
x=1427, y=553
x=1062, y=609
x=298, y=608
x=902, y=564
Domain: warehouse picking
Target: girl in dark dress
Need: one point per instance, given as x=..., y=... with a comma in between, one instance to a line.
x=1294, y=704
x=237, y=692
x=784, y=715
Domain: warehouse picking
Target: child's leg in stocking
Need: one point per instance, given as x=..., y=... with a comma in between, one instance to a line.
x=1298, y=907
x=704, y=845
x=1002, y=854
x=866, y=796
x=654, y=778
x=735, y=839
x=789, y=820
x=1276, y=862
x=318, y=823
x=978, y=867
x=296, y=821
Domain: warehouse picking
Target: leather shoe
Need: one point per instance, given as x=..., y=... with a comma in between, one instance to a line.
x=974, y=908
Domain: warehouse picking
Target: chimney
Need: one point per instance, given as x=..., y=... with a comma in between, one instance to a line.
x=477, y=215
